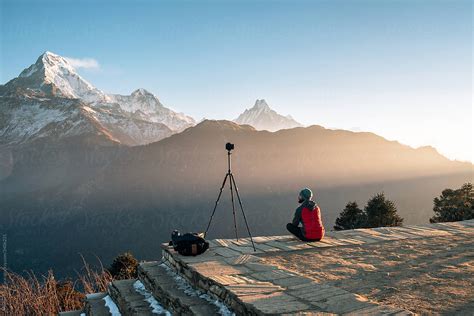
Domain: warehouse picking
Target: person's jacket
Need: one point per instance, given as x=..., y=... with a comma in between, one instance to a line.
x=309, y=215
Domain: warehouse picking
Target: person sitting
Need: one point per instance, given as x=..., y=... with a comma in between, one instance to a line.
x=309, y=215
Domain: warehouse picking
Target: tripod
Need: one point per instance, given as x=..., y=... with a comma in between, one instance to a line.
x=233, y=186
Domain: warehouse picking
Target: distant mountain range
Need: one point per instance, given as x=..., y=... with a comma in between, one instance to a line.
x=262, y=117
x=50, y=99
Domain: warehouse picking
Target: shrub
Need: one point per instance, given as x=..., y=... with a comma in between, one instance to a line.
x=124, y=266
x=68, y=297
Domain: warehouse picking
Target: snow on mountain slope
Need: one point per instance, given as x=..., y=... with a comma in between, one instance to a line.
x=127, y=128
x=262, y=117
x=29, y=119
x=50, y=99
x=53, y=75
x=23, y=120
x=147, y=106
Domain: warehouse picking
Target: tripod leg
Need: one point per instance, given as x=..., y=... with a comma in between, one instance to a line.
x=215, y=205
x=232, y=180
x=233, y=206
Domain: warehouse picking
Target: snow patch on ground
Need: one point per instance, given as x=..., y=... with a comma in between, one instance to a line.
x=190, y=291
x=110, y=304
x=154, y=304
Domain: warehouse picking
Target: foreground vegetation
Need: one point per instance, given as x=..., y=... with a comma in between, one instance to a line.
x=32, y=295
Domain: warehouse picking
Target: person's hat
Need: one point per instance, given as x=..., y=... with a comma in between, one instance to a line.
x=306, y=194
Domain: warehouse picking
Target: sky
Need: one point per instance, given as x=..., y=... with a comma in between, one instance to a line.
x=400, y=69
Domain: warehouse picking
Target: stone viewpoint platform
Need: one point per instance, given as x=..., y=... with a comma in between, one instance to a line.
x=382, y=271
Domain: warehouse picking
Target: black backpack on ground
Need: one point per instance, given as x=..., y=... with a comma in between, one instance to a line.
x=189, y=244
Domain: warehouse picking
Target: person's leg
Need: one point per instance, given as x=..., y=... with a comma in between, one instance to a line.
x=295, y=230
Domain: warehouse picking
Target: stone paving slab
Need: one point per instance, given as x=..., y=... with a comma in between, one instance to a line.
x=254, y=288
x=275, y=303
x=212, y=268
x=271, y=275
x=230, y=279
x=320, y=244
x=349, y=241
x=243, y=259
x=292, y=281
x=376, y=310
x=266, y=248
x=243, y=248
x=315, y=292
x=233, y=272
x=227, y=252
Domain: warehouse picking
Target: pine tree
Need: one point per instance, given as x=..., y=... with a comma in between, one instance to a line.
x=351, y=217
x=381, y=212
x=454, y=205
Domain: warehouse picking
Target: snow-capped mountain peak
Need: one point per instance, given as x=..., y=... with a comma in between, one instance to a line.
x=141, y=92
x=261, y=104
x=53, y=100
x=262, y=117
x=147, y=106
x=54, y=75
x=43, y=65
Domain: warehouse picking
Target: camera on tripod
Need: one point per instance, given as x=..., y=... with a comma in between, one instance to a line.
x=232, y=186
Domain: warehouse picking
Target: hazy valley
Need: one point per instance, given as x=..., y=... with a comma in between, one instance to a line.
x=87, y=172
